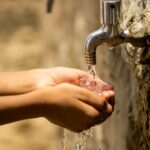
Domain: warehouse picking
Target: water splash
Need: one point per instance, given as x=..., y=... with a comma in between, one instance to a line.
x=92, y=70
x=90, y=82
x=83, y=139
x=65, y=139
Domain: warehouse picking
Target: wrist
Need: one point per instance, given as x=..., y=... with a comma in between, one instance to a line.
x=17, y=82
x=46, y=101
x=37, y=79
x=37, y=104
x=20, y=107
x=40, y=103
x=41, y=78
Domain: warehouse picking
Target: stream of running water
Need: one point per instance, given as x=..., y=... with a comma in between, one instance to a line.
x=81, y=140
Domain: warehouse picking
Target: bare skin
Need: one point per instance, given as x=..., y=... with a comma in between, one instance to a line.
x=26, y=81
x=54, y=94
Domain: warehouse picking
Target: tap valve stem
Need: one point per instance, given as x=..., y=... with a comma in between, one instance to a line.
x=109, y=12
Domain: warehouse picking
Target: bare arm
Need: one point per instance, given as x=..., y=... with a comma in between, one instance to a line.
x=21, y=82
x=16, y=82
x=77, y=110
x=48, y=93
x=19, y=107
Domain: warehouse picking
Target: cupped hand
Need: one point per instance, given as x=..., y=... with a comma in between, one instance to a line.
x=75, y=108
x=69, y=105
x=55, y=76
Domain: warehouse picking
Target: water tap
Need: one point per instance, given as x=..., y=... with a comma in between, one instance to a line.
x=110, y=33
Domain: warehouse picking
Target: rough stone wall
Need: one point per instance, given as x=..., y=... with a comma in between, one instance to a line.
x=129, y=72
x=139, y=121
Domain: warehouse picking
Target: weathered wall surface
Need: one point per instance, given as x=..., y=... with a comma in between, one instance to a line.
x=139, y=121
x=30, y=38
x=128, y=128
x=119, y=73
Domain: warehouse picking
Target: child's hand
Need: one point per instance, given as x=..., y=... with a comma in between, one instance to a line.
x=47, y=93
x=55, y=76
x=75, y=108
x=26, y=81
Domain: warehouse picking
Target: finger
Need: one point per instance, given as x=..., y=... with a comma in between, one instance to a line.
x=108, y=87
x=111, y=101
x=94, y=116
x=109, y=108
x=104, y=85
x=108, y=94
x=92, y=99
x=100, y=118
x=87, y=115
x=70, y=75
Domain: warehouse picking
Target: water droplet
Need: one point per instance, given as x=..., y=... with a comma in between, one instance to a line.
x=91, y=81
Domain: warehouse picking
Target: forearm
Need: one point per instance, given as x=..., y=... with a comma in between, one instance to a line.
x=20, y=107
x=16, y=82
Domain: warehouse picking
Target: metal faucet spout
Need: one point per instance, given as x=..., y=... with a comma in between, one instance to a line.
x=108, y=33
x=93, y=40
